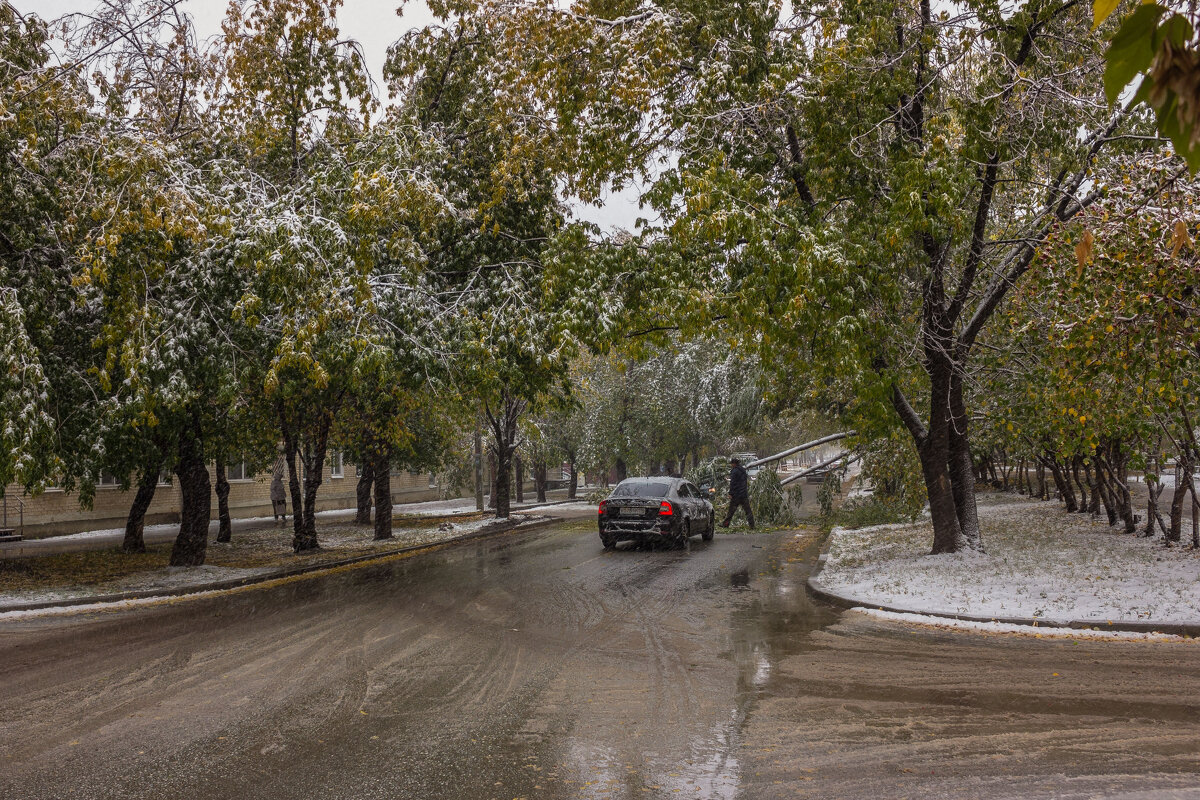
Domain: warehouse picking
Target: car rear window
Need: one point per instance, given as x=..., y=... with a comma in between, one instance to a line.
x=641, y=489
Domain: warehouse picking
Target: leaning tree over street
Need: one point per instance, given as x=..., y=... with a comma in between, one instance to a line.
x=485, y=278
x=863, y=184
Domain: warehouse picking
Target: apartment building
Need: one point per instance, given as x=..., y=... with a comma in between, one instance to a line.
x=55, y=512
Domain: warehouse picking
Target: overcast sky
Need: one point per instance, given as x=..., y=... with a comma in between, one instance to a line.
x=375, y=25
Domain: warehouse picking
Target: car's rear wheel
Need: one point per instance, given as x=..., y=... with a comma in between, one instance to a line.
x=608, y=542
x=685, y=534
x=709, y=529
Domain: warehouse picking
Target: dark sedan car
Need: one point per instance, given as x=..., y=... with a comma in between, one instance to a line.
x=655, y=510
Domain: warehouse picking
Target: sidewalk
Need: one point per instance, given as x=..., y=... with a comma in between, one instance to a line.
x=1043, y=568
x=157, y=534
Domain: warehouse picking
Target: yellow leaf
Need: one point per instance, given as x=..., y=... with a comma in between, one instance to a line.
x=1101, y=9
x=1083, y=251
x=1181, y=238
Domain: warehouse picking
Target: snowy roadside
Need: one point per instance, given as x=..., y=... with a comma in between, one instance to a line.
x=251, y=555
x=561, y=508
x=1041, y=563
x=1074, y=634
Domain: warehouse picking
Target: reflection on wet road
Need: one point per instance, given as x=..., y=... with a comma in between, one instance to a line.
x=539, y=666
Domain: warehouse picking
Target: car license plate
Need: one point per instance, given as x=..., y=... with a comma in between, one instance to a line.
x=632, y=512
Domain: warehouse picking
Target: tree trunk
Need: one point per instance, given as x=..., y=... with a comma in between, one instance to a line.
x=622, y=470
x=1119, y=490
x=1083, y=495
x=539, y=480
x=477, y=458
x=573, y=486
x=1062, y=481
x=383, y=497
x=519, y=478
x=491, y=503
x=1195, y=514
x=1154, y=490
x=1103, y=489
x=961, y=467
x=289, y=447
x=940, y=457
x=503, y=423
x=191, y=545
x=503, y=474
x=314, y=463
x=290, y=453
x=225, y=527
x=1175, y=532
x=934, y=452
x=366, y=477
x=1097, y=496
x=135, y=524
x=947, y=536
x=1042, y=490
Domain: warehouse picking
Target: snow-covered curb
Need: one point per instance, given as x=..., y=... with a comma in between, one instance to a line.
x=1039, y=632
x=1042, y=565
x=59, y=605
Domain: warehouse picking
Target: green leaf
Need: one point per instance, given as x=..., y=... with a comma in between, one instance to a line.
x=1180, y=136
x=1176, y=30
x=1131, y=50
x=1101, y=9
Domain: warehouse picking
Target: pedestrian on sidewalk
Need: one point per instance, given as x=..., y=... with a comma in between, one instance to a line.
x=739, y=493
x=278, y=495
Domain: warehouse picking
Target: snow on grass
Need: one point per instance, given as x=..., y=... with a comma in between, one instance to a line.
x=1040, y=562
x=1019, y=630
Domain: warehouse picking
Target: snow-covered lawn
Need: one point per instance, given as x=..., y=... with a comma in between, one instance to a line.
x=1040, y=562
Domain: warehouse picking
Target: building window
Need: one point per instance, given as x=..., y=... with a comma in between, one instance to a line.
x=106, y=480
x=237, y=471
x=337, y=468
x=164, y=476
x=433, y=480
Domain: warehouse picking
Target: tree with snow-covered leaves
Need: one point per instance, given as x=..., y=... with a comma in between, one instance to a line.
x=295, y=95
x=854, y=189
x=487, y=274
x=44, y=334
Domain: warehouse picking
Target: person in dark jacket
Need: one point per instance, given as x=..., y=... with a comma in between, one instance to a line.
x=739, y=493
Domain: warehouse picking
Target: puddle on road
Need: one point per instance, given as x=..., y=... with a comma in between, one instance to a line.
x=769, y=617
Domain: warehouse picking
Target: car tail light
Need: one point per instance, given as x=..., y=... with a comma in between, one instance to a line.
x=665, y=509
x=603, y=506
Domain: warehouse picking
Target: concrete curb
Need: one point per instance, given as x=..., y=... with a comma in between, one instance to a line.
x=234, y=583
x=821, y=592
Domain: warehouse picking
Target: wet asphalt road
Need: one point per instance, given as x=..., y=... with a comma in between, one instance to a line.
x=536, y=665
